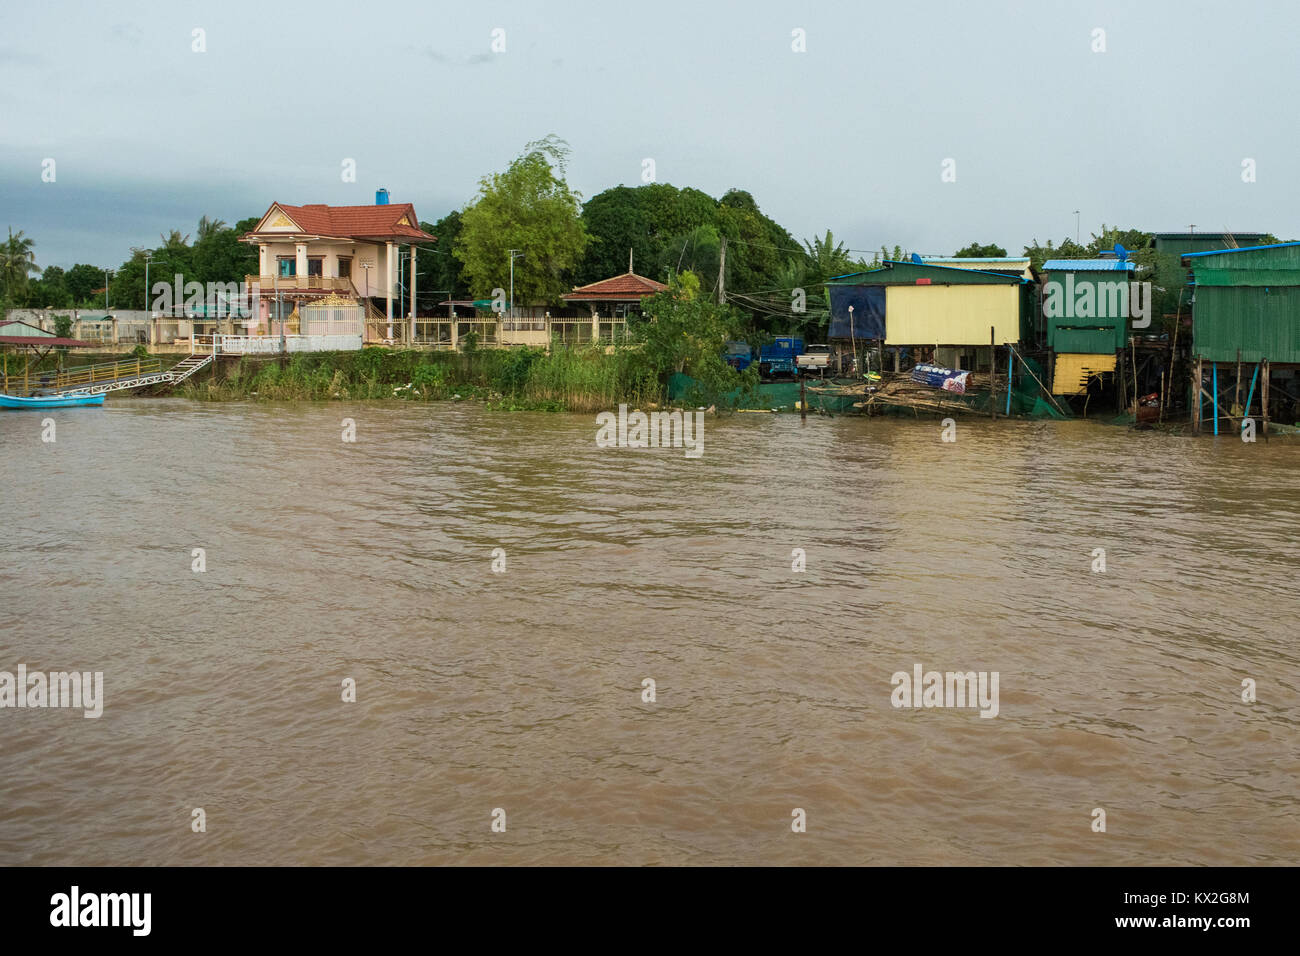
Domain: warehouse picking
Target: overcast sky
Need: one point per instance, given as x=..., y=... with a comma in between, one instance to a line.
x=850, y=135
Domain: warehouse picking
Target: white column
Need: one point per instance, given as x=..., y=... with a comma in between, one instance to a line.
x=412, y=293
x=389, y=272
x=302, y=265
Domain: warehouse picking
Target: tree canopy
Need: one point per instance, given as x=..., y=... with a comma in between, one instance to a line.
x=978, y=250
x=529, y=208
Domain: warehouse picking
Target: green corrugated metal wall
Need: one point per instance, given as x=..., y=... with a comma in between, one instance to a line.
x=1262, y=322
x=1093, y=336
x=1249, y=301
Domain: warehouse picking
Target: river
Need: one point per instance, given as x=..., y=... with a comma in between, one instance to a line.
x=520, y=689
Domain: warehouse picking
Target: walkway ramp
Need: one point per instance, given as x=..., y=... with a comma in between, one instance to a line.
x=109, y=376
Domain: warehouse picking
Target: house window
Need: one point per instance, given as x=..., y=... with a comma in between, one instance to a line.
x=288, y=266
x=345, y=267
x=315, y=266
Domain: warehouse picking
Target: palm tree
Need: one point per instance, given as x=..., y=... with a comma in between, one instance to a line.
x=17, y=262
x=208, y=226
x=174, y=239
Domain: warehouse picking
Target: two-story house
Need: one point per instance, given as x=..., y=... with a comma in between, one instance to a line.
x=317, y=253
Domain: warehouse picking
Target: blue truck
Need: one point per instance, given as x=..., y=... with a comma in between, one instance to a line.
x=781, y=358
x=738, y=355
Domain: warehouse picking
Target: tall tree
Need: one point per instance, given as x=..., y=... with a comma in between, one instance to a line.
x=17, y=263
x=218, y=255
x=82, y=280
x=978, y=250
x=440, y=273
x=530, y=208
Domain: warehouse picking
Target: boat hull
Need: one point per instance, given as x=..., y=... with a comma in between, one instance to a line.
x=50, y=401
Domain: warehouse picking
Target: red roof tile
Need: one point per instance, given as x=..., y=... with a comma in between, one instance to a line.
x=628, y=286
x=42, y=340
x=356, y=222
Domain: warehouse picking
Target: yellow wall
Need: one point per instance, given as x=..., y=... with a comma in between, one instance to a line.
x=1073, y=370
x=951, y=314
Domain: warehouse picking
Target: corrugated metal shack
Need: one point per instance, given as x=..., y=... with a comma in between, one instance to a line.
x=1246, y=325
x=953, y=315
x=1085, y=308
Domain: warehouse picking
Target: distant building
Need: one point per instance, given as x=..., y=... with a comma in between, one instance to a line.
x=619, y=296
x=611, y=301
x=958, y=312
x=1247, y=302
x=1085, y=308
x=1182, y=243
x=1003, y=265
x=333, y=256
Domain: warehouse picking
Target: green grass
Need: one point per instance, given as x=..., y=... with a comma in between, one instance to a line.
x=577, y=380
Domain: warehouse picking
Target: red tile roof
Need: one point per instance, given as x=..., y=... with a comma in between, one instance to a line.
x=356, y=222
x=42, y=340
x=629, y=286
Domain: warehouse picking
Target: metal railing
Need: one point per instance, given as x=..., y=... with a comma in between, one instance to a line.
x=269, y=285
x=81, y=376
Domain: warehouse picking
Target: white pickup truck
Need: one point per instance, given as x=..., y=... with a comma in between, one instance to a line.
x=815, y=358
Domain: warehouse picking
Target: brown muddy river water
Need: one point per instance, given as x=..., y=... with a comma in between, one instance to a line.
x=521, y=690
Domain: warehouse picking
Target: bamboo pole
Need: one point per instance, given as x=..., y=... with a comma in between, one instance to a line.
x=1250, y=395
x=1214, y=376
x=1132, y=341
x=1010, y=368
x=1122, y=378
x=1046, y=392
x=1263, y=395
x=1173, y=348
x=993, y=373
x=1236, y=398
x=1196, y=393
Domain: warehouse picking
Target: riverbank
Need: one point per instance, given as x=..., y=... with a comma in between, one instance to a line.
x=575, y=380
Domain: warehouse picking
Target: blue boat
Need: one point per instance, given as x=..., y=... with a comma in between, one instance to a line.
x=61, y=400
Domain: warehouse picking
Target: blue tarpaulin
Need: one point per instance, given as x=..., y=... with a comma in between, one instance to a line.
x=868, y=303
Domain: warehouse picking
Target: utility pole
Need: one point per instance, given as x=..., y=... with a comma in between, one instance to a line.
x=514, y=254
x=106, y=274
x=1078, y=232
x=722, y=273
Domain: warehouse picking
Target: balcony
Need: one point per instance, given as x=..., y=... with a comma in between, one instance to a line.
x=319, y=285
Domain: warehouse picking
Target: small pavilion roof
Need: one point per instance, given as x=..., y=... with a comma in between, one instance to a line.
x=629, y=287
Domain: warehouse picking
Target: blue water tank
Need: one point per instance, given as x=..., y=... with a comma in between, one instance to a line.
x=381, y=197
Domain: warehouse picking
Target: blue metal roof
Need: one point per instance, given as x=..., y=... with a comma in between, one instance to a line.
x=1219, y=252
x=1088, y=265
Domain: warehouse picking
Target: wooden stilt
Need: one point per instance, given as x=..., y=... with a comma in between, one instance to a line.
x=1196, y=395
x=1263, y=395
x=1236, y=398
x=1214, y=399
x=993, y=375
x=1122, y=381
x=1132, y=341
